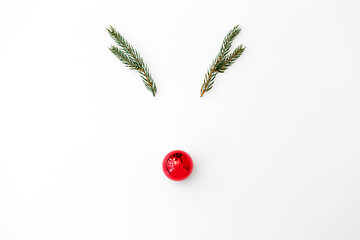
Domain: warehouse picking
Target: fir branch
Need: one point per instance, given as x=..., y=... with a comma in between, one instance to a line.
x=131, y=59
x=223, y=60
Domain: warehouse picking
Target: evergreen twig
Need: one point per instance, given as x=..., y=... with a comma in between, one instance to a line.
x=223, y=60
x=131, y=59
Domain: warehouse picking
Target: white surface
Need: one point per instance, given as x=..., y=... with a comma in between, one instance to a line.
x=275, y=143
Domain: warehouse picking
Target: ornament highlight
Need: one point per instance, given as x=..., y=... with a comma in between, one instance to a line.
x=177, y=165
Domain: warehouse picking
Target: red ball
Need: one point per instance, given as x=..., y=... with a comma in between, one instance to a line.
x=177, y=165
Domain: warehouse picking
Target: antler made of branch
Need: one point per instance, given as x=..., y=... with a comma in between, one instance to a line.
x=131, y=58
x=223, y=60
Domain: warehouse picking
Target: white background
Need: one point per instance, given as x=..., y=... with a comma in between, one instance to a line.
x=275, y=143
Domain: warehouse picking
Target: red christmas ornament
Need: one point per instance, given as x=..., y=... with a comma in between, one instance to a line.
x=177, y=165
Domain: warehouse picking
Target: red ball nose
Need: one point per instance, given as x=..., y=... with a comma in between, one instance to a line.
x=177, y=165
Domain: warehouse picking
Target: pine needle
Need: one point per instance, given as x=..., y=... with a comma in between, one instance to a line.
x=223, y=60
x=131, y=59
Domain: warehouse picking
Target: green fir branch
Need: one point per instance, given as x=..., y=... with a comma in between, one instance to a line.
x=223, y=60
x=131, y=59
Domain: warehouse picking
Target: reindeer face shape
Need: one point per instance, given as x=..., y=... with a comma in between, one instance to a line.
x=177, y=165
